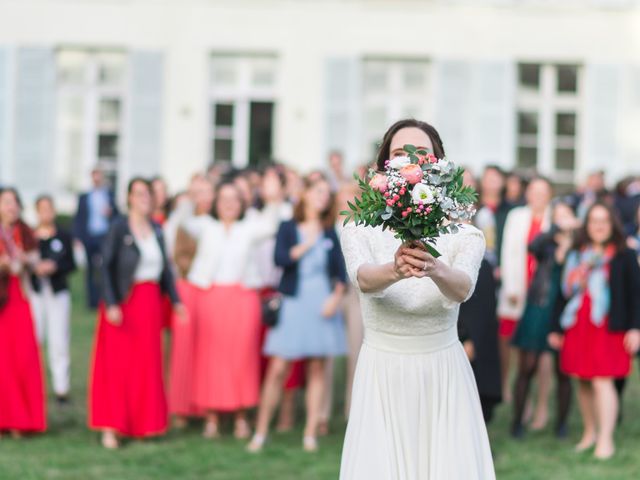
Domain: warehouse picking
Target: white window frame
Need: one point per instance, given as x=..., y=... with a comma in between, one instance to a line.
x=92, y=93
x=241, y=96
x=547, y=102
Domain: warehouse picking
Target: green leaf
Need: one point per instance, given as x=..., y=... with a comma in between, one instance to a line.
x=409, y=148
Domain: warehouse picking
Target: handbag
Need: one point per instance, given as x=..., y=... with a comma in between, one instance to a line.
x=271, y=309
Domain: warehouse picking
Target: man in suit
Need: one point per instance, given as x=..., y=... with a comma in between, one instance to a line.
x=96, y=209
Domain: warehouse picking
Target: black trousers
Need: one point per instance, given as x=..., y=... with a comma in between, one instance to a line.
x=93, y=249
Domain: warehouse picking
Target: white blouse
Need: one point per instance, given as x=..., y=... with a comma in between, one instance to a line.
x=150, y=265
x=224, y=256
x=268, y=272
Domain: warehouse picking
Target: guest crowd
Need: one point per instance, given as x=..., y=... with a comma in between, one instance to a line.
x=245, y=270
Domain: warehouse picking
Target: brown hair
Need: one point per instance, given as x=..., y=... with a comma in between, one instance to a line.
x=327, y=217
x=132, y=183
x=617, y=238
x=219, y=187
x=432, y=133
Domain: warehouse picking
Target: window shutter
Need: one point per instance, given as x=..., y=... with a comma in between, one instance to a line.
x=475, y=111
x=452, y=102
x=34, y=120
x=342, y=114
x=5, y=115
x=143, y=124
x=601, y=123
x=493, y=111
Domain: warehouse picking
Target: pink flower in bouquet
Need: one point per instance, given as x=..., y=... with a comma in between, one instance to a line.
x=412, y=173
x=431, y=158
x=379, y=182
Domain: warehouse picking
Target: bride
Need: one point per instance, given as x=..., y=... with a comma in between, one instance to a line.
x=415, y=412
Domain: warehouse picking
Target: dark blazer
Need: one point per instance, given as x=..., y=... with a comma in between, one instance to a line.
x=287, y=238
x=624, y=275
x=120, y=258
x=58, y=248
x=478, y=322
x=81, y=220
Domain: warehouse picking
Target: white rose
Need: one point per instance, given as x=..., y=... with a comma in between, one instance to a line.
x=399, y=162
x=422, y=193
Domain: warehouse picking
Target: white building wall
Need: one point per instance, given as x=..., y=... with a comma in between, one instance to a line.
x=307, y=34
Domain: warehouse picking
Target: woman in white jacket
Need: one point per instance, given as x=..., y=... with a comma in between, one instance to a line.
x=226, y=308
x=516, y=270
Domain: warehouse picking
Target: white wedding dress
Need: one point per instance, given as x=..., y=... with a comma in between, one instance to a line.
x=415, y=412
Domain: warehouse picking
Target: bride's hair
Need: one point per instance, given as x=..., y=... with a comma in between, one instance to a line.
x=432, y=133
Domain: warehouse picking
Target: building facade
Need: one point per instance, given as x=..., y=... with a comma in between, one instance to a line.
x=160, y=87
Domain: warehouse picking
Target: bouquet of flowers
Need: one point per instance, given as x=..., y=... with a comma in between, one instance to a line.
x=419, y=197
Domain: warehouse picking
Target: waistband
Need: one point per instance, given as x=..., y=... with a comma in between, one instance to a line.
x=411, y=344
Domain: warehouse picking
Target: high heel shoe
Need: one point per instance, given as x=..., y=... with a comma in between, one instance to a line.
x=110, y=441
x=310, y=444
x=583, y=446
x=606, y=455
x=256, y=444
x=211, y=430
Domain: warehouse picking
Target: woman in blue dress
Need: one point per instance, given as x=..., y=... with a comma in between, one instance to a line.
x=309, y=326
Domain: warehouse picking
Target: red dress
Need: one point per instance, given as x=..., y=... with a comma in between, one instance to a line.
x=126, y=385
x=22, y=397
x=590, y=351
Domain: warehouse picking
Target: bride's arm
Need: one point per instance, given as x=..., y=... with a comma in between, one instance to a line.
x=367, y=275
x=375, y=278
x=457, y=280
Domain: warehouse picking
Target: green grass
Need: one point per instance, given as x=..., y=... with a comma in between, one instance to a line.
x=69, y=451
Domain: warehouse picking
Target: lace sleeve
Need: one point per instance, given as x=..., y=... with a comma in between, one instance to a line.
x=357, y=252
x=465, y=254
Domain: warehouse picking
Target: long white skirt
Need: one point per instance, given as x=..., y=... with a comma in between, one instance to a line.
x=415, y=412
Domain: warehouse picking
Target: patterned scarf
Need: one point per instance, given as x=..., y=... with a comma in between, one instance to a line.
x=584, y=271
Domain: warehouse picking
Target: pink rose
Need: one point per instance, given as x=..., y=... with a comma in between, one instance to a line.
x=411, y=173
x=379, y=182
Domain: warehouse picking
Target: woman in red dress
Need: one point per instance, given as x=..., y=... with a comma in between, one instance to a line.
x=599, y=328
x=127, y=395
x=22, y=398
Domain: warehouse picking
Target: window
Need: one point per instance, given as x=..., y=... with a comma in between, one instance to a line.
x=549, y=104
x=392, y=89
x=90, y=96
x=242, y=93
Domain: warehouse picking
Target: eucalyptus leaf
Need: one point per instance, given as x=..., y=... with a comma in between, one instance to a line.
x=409, y=148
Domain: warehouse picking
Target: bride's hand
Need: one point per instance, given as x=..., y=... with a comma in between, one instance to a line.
x=422, y=263
x=402, y=268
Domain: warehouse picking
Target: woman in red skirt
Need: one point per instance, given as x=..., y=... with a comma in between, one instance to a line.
x=22, y=398
x=127, y=395
x=599, y=328
x=226, y=306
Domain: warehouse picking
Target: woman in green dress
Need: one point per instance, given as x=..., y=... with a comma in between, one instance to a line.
x=543, y=295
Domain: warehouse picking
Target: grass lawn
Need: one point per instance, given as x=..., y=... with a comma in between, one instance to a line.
x=70, y=451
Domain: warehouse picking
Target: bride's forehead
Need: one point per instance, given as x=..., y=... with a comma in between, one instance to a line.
x=411, y=136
